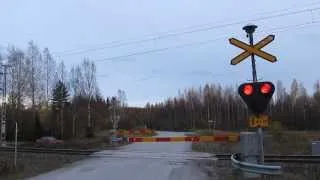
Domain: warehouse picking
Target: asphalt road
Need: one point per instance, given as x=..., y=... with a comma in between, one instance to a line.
x=139, y=161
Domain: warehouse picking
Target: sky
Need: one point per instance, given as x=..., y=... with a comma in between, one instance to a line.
x=153, y=49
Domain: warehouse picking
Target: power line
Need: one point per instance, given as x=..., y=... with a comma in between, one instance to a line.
x=159, y=50
x=296, y=26
x=279, y=29
x=115, y=44
x=189, y=27
x=197, y=73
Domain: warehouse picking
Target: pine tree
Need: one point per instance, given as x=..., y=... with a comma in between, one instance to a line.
x=60, y=96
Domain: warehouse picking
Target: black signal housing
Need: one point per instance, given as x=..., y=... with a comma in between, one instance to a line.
x=256, y=95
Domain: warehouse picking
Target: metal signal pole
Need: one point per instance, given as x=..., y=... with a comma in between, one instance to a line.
x=250, y=30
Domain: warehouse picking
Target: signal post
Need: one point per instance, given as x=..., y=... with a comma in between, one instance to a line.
x=256, y=95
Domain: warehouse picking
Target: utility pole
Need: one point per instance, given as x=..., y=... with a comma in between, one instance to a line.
x=47, y=83
x=4, y=100
x=208, y=117
x=114, y=115
x=15, y=145
x=114, y=118
x=250, y=30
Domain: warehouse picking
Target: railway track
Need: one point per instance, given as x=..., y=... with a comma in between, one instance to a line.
x=281, y=158
x=49, y=150
x=268, y=158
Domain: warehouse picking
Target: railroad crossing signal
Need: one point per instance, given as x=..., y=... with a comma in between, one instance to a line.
x=256, y=95
x=252, y=50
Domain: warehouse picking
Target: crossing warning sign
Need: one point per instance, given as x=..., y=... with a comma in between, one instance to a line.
x=253, y=50
x=261, y=121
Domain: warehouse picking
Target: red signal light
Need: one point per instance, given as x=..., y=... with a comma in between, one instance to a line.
x=265, y=88
x=256, y=95
x=248, y=89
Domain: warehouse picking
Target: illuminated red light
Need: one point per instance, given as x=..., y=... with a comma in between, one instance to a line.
x=265, y=88
x=248, y=89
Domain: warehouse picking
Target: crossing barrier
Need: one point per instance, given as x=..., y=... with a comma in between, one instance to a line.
x=139, y=132
x=213, y=138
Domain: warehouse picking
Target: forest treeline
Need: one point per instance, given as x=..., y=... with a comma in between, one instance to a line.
x=191, y=109
x=46, y=98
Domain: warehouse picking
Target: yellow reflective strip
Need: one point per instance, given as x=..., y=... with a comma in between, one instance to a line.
x=240, y=58
x=178, y=139
x=263, y=55
x=233, y=138
x=264, y=42
x=206, y=138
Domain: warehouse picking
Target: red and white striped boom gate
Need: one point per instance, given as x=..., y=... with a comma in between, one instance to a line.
x=213, y=138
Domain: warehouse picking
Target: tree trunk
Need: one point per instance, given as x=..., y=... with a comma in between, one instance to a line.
x=62, y=123
x=73, y=125
x=89, y=115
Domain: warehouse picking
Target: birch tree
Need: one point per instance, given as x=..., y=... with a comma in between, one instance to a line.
x=49, y=68
x=36, y=86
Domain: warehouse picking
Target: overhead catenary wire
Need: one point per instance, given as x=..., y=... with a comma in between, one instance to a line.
x=115, y=44
x=279, y=29
x=214, y=75
x=273, y=30
x=169, y=31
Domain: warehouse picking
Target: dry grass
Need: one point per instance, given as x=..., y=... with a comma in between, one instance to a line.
x=99, y=141
x=287, y=143
x=277, y=142
x=31, y=164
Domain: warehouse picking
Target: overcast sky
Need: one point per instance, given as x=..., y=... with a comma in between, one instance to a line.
x=73, y=29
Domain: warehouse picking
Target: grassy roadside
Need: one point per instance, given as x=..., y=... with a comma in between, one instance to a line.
x=31, y=164
x=288, y=143
x=275, y=142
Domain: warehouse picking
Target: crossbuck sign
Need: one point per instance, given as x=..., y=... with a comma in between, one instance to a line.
x=252, y=50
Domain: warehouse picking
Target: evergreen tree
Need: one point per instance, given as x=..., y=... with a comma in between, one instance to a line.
x=60, y=96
